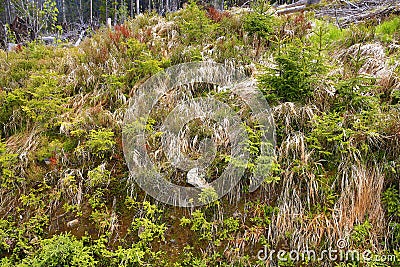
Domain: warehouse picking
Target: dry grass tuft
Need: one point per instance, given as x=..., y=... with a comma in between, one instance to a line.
x=294, y=115
x=361, y=188
x=375, y=63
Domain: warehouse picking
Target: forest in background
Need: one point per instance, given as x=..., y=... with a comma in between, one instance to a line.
x=58, y=16
x=66, y=196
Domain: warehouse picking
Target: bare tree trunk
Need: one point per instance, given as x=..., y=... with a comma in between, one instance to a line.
x=64, y=12
x=81, y=12
x=137, y=7
x=162, y=10
x=91, y=12
x=106, y=3
x=8, y=12
x=6, y=40
x=115, y=12
x=149, y=5
x=36, y=19
x=123, y=11
x=131, y=11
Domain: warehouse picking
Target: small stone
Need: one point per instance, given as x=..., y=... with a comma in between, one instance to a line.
x=72, y=223
x=11, y=46
x=195, y=179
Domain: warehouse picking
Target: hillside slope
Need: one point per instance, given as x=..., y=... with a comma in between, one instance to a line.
x=66, y=196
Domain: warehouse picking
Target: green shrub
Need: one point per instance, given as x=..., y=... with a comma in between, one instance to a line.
x=295, y=75
x=149, y=230
x=40, y=101
x=61, y=250
x=391, y=199
x=194, y=25
x=329, y=136
x=7, y=173
x=199, y=224
x=48, y=149
x=356, y=94
x=184, y=54
x=361, y=234
x=140, y=62
x=100, y=141
x=98, y=176
x=259, y=23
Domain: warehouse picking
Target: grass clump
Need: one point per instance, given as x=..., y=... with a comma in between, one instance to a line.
x=389, y=30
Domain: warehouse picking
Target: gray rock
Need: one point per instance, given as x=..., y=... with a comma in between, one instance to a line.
x=49, y=40
x=11, y=46
x=196, y=179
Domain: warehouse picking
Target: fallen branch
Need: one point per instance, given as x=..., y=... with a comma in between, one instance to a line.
x=350, y=3
x=380, y=13
x=290, y=10
x=357, y=12
x=295, y=7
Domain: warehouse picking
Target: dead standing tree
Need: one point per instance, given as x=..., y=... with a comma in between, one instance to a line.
x=21, y=29
x=3, y=35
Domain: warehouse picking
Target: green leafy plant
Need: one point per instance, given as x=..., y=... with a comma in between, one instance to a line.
x=199, y=224
x=101, y=142
x=61, y=250
x=7, y=160
x=361, y=234
x=98, y=176
x=391, y=199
